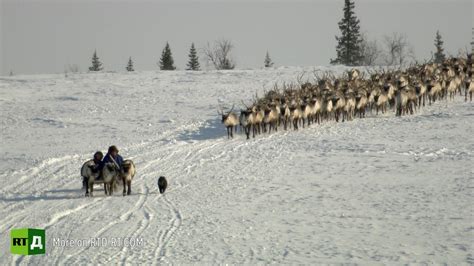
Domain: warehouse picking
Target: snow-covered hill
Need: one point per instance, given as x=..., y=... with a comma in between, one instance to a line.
x=383, y=189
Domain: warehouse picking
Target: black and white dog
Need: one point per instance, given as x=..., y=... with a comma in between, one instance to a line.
x=162, y=184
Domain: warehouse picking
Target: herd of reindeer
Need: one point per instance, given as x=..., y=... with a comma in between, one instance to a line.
x=352, y=95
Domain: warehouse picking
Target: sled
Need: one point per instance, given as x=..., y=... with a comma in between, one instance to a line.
x=101, y=182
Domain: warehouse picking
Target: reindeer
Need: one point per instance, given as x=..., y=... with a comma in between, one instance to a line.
x=405, y=98
x=352, y=94
x=412, y=99
x=295, y=115
x=361, y=102
x=89, y=176
x=390, y=91
x=469, y=87
x=451, y=86
x=127, y=175
x=374, y=93
x=354, y=74
x=230, y=120
x=259, y=116
x=327, y=106
x=349, y=107
x=247, y=121
x=317, y=109
x=277, y=105
x=402, y=101
x=285, y=115
x=434, y=89
x=460, y=76
x=382, y=102
x=271, y=117
x=110, y=174
x=420, y=89
x=429, y=69
x=339, y=102
x=307, y=112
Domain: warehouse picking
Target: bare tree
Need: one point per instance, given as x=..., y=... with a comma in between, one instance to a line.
x=74, y=68
x=370, y=51
x=472, y=43
x=219, y=54
x=398, y=51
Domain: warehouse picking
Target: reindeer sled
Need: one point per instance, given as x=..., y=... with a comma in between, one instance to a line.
x=112, y=174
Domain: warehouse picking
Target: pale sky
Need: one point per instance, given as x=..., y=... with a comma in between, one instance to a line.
x=43, y=36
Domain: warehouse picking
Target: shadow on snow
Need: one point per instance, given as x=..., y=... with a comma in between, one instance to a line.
x=212, y=129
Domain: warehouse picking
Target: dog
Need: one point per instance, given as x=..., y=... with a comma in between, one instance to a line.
x=162, y=184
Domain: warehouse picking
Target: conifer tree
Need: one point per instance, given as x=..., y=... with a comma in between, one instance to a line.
x=193, y=63
x=96, y=64
x=439, y=55
x=348, y=44
x=268, y=61
x=166, y=60
x=130, y=65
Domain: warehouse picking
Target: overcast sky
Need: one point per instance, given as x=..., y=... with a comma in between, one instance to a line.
x=43, y=36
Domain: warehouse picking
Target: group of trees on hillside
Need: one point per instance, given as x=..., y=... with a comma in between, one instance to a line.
x=353, y=49
x=219, y=55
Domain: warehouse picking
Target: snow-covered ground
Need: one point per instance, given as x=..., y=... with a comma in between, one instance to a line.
x=383, y=189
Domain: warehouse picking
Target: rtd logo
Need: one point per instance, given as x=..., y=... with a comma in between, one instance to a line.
x=28, y=241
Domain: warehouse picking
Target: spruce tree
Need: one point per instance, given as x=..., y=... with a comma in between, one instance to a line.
x=439, y=56
x=96, y=64
x=130, y=65
x=166, y=60
x=193, y=63
x=348, y=44
x=268, y=61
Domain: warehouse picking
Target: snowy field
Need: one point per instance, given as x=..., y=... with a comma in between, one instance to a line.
x=378, y=190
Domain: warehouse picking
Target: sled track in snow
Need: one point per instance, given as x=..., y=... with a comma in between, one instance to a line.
x=163, y=220
x=138, y=228
x=122, y=219
x=33, y=189
x=166, y=235
x=95, y=205
x=143, y=225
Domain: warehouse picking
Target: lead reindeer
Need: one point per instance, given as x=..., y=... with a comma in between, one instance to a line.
x=230, y=120
x=128, y=172
x=110, y=173
x=245, y=120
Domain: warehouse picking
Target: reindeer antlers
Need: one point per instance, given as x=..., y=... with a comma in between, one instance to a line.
x=231, y=109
